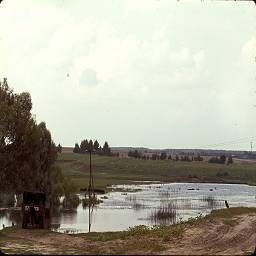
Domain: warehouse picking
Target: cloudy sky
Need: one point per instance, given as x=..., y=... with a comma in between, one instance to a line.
x=152, y=73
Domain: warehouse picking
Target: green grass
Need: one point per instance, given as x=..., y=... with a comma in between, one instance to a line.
x=114, y=170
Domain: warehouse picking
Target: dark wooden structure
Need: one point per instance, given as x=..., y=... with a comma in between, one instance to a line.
x=35, y=210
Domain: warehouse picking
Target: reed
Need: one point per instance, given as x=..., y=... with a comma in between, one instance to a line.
x=165, y=214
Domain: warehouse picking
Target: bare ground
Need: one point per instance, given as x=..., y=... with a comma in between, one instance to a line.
x=233, y=236
x=218, y=238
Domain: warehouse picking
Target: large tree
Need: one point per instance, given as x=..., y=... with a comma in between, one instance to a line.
x=27, y=151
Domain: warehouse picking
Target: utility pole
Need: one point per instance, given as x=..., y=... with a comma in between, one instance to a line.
x=91, y=192
x=251, y=147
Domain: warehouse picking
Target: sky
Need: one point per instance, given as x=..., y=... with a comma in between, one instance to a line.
x=147, y=73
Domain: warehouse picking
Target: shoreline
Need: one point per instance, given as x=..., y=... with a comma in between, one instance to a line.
x=226, y=231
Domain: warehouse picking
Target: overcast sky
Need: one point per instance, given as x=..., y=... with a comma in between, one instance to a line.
x=152, y=73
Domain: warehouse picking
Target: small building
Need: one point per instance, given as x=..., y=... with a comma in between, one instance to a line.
x=35, y=210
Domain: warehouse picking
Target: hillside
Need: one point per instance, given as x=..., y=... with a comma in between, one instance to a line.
x=114, y=170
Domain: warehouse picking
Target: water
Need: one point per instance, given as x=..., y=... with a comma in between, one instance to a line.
x=136, y=205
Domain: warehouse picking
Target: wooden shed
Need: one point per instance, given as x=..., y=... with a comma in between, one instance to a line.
x=35, y=210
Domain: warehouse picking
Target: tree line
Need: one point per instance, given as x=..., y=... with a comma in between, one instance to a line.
x=87, y=146
x=221, y=160
x=163, y=156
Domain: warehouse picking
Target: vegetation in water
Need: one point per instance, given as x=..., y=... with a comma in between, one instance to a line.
x=165, y=214
x=90, y=201
x=71, y=201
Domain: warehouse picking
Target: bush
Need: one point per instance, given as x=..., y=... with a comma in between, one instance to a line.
x=7, y=200
x=92, y=201
x=217, y=160
x=71, y=201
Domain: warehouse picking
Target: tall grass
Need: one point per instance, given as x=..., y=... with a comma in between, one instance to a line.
x=165, y=214
x=212, y=203
x=136, y=205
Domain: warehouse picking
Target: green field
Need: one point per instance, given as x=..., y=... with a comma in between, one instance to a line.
x=114, y=170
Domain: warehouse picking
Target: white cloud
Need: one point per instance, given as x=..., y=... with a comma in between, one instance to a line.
x=139, y=57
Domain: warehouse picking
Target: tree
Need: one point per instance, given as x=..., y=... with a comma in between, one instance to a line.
x=198, y=158
x=59, y=148
x=223, y=159
x=27, y=151
x=230, y=160
x=76, y=148
x=106, y=150
x=84, y=146
x=90, y=146
x=163, y=156
x=154, y=157
x=216, y=160
x=96, y=145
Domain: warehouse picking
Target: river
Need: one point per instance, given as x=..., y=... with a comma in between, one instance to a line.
x=145, y=204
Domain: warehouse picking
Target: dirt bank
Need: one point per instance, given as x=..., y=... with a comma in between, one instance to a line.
x=227, y=232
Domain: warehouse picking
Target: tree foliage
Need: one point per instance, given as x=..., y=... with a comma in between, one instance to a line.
x=27, y=151
x=59, y=148
x=93, y=147
x=218, y=160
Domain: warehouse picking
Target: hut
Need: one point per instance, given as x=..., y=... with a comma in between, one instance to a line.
x=35, y=210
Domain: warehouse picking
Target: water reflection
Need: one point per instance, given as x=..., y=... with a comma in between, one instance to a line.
x=147, y=204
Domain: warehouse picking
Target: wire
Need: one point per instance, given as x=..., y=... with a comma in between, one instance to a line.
x=227, y=143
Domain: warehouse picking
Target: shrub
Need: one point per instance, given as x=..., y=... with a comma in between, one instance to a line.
x=71, y=201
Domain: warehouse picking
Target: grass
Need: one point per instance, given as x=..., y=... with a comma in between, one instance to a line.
x=165, y=214
x=225, y=214
x=113, y=170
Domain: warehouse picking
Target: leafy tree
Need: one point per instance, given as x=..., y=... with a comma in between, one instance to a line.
x=216, y=160
x=84, y=146
x=27, y=151
x=96, y=145
x=230, y=160
x=163, y=156
x=76, y=148
x=154, y=157
x=198, y=158
x=106, y=150
x=90, y=146
x=223, y=159
x=59, y=148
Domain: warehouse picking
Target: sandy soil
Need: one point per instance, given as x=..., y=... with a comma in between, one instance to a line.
x=218, y=239
x=236, y=237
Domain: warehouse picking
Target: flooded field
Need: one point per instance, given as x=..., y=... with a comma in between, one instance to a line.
x=148, y=204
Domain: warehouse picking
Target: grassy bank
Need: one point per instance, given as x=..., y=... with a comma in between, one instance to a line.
x=140, y=239
x=113, y=170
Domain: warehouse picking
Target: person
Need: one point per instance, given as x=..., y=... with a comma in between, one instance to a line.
x=226, y=203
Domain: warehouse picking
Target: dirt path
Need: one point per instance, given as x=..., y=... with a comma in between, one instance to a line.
x=234, y=236
x=218, y=238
